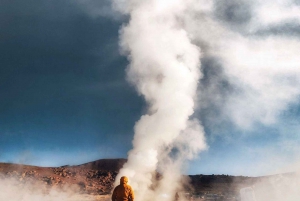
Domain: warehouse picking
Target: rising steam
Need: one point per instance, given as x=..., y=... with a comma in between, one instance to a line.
x=259, y=66
x=165, y=69
x=255, y=45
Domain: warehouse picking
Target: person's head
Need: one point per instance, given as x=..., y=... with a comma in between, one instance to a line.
x=123, y=180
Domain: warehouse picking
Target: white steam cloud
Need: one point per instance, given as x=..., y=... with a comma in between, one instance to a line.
x=261, y=66
x=15, y=190
x=165, y=69
x=267, y=71
x=163, y=40
x=274, y=12
x=275, y=188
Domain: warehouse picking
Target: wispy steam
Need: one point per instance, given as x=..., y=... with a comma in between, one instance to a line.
x=165, y=69
x=256, y=75
x=277, y=187
x=251, y=71
x=15, y=190
x=259, y=70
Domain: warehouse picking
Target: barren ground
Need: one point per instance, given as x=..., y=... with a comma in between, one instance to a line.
x=94, y=181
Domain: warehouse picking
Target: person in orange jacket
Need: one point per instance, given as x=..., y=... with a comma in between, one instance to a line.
x=123, y=192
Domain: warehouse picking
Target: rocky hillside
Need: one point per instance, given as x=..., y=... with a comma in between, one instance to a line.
x=97, y=178
x=104, y=164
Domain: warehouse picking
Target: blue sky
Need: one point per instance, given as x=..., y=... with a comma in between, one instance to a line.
x=65, y=98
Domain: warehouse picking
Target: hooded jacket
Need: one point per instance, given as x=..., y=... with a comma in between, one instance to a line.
x=123, y=192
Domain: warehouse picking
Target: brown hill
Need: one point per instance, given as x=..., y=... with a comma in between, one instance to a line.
x=104, y=164
x=97, y=178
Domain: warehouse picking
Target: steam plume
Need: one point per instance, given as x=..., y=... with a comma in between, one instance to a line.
x=256, y=47
x=261, y=68
x=164, y=69
x=251, y=53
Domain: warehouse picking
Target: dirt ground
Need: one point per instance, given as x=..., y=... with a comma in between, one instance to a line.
x=92, y=198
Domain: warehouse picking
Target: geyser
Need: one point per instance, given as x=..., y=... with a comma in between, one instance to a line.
x=165, y=69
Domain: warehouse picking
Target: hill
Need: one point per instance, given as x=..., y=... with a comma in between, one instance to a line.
x=97, y=178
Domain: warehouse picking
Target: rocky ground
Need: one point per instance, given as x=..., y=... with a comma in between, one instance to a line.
x=94, y=180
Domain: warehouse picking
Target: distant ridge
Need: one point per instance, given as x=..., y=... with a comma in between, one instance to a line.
x=101, y=164
x=104, y=164
x=98, y=177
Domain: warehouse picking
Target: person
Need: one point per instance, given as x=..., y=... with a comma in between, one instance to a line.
x=123, y=192
x=176, y=196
